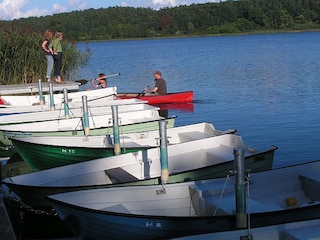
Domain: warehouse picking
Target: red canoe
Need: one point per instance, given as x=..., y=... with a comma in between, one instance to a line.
x=178, y=97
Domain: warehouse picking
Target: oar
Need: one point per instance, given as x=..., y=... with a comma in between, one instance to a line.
x=84, y=81
x=143, y=91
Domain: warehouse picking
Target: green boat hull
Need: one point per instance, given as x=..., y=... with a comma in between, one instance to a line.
x=40, y=157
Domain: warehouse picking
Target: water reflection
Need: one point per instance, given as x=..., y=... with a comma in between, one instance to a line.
x=181, y=107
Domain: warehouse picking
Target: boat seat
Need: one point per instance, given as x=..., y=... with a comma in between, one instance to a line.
x=310, y=183
x=118, y=175
x=194, y=135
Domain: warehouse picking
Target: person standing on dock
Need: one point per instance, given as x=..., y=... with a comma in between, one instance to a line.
x=56, y=50
x=45, y=46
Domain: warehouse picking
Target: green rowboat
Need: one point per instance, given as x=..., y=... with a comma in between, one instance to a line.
x=53, y=151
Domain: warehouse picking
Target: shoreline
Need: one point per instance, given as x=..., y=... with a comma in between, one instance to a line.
x=204, y=35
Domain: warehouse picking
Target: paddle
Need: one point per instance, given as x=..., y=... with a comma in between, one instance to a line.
x=144, y=91
x=84, y=81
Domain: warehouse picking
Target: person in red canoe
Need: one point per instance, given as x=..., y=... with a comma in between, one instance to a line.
x=160, y=87
x=100, y=81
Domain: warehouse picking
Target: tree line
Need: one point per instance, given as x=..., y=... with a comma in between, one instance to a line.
x=227, y=17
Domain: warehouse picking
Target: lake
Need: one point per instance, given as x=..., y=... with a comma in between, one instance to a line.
x=265, y=86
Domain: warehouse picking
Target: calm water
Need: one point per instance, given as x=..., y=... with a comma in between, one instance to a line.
x=265, y=86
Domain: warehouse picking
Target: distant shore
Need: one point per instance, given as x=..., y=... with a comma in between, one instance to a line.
x=206, y=35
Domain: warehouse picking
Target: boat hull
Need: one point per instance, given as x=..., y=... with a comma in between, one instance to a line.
x=139, y=126
x=65, y=113
x=176, y=210
x=58, y=98
x=48, y=152
x=35, y=195
x=179, y=97
x=86, y=223
x=52, y=156
x=6, y=152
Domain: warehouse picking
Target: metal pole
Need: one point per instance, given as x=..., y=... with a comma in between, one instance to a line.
x=40, y=93
x=163, y=151
x=86, y=127
x=65, y=103
x=51, y=96
x=116, y=134
x=240, y=191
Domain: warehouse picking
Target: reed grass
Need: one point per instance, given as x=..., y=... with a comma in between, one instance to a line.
x=23, y=61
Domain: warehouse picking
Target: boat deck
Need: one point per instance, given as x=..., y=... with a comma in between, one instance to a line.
x=31, y=88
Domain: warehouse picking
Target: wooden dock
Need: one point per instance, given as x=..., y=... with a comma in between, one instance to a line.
x=33, y=88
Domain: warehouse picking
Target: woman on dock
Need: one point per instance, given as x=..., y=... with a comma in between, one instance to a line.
x=45, y=46
x=56, y=50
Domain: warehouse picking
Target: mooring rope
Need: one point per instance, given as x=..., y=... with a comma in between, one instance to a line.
x=221, y=194
x=9, y=195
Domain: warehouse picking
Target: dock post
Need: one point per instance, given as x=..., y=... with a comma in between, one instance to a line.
x=163, y=151
x=85, y=119
x=51, y=96
x=116, y=134
x=65, y=103
x=40, y=92
x=240, y=191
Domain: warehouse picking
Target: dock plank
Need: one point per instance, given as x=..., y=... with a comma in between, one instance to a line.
x=33, y=88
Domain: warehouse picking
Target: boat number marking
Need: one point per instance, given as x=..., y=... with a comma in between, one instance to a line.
x=153, y=225
x=68, y=151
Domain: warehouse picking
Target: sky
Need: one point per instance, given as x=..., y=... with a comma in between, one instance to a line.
x=15, y=9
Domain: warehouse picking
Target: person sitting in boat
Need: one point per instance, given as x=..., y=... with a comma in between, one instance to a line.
x=100, y=81
x=160, y=87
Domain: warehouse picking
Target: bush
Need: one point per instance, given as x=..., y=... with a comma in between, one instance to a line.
x=23, y=61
